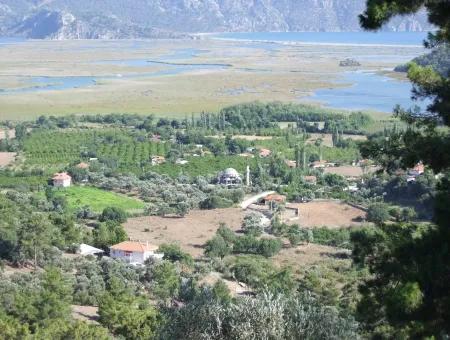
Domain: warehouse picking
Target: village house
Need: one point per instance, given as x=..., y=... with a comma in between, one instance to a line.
x=229, y=177
x=318, y=164
x=250, y=149
x=264, y=153
x=62, y=180
x=157, y=160
x=413, y=173
x=291, y=164
x=180, y=161
x=310, y=179
x=418, y=170
x=273, y=200
x=134, y=252
x=83, y=166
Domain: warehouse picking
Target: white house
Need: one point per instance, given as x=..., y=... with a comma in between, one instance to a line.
x=62, y=180
x=134, y=252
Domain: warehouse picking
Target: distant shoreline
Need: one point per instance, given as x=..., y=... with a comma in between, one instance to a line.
x=302, y=43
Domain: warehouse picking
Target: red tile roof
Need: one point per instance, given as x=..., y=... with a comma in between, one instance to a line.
x=61, y=176
x=276, y=198
x=83, y=165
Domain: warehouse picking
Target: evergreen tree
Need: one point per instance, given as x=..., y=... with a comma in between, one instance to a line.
x=408, y=295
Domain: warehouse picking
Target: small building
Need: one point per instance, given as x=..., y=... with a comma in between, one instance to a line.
x=418, y=170
x=156, y=160
x=264, y=153
x=180, y=161
x=310, y=179
x=352, y=188
x=318, y=164
x=229, y=177
x=155, y=138
x=62, y=180
x=250, y=149
x=134, y=252
x=275, y=198
x=82, y=165
x=291, y=164
x=246, y=155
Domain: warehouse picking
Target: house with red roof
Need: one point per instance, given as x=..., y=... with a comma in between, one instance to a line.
x=264, y=153
x=134, y=252
x=62, y=180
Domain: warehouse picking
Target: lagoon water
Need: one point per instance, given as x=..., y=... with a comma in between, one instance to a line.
x=366, y=91
x=362, y=90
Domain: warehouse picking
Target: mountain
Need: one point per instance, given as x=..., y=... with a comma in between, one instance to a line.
x=90, y=19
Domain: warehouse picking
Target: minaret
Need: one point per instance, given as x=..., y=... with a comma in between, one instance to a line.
x=248, y=176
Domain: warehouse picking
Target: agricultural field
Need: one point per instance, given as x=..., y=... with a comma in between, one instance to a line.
x=205, y=166
x=190, y=232
x=331, y=214
x=97, y=200
x=327, y=138
x=7, y=158
x=287, y=149
x=59, y=148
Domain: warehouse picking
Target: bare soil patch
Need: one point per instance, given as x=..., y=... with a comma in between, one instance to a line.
x=235, y=288
x=85, y=313
x=327, y=138
x=7, y=158
x=190, y=232
x=349, y=171
x=331, y=214
x=309, y=254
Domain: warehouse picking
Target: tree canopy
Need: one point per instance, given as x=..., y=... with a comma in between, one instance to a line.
x=408, y=294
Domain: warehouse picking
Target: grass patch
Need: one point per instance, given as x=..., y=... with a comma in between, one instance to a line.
x=98, y=199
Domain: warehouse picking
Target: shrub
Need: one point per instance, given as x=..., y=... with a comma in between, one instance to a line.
x=113, y=214
x=217, y=247
x=173, y=253
x=378, y=213
x=252, y=224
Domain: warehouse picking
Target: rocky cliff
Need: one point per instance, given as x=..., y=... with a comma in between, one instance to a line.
x=68, y=19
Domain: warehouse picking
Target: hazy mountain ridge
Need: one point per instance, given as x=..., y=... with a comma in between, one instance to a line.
x=66, y=19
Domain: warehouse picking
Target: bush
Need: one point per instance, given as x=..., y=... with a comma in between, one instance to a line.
x=378, y=213
x=332, y=237
x=252, y=224
x=228, y=235
x=250, y=245
x=216, y=202
x=268, y=247
x=113, y=214
x=173, y=253
x=217, y=247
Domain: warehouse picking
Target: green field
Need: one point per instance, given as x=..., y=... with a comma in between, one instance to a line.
x=56, y=149
x=98, y=199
